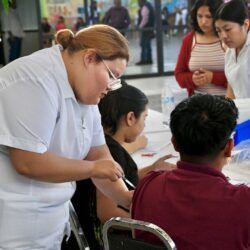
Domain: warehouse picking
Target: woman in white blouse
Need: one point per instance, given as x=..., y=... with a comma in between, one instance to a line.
x=232, y=25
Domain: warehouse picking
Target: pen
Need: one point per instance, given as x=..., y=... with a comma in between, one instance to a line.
x=128, y=182
x=174, y=156
x=148, y=154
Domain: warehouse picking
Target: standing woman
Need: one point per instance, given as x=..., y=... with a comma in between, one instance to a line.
x=200, y=65
x=51, y=134
x=232, y=25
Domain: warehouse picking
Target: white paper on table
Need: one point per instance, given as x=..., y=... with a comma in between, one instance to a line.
x=238, y=173
x=157, y=141
x=156, y=146
x=154, y=123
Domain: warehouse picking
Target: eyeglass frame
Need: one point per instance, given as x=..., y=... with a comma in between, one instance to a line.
x=115, y=83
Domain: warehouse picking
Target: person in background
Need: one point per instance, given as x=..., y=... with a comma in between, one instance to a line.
x=60, y=23
x=200, y=64
x=117, y=17
x=146, y=23
x=164, y=17
x=233, y=29
x=51, y=134
x=94, y=13
x=80, y=24
x=196, y=204
x=46, y=27
x=181, y=12
x=168, y=13
x=123, y=115
x=14, y=30
x=248, y=7
x=47, y=35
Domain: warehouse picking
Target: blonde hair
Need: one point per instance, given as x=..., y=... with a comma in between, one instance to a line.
x=108, y=42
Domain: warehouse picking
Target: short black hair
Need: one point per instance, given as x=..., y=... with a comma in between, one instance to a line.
x=213, y=5
x=233, y=11
x=116, y=104
x=202, y=124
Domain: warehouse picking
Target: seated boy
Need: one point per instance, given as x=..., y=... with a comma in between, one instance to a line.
x=195, y=204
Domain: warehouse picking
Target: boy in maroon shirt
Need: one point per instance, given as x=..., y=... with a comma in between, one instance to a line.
x=195, y=204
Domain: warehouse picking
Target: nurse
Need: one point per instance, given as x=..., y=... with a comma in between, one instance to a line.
x=232, y=25
x=51, y=134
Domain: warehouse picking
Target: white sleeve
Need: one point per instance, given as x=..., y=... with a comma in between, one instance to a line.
x=98, y=134
x=28, y=116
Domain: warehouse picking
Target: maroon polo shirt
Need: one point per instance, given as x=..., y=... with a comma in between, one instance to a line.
x=196, y=206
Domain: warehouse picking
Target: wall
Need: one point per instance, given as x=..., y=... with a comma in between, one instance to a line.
x=28, y=13
x=30, y=44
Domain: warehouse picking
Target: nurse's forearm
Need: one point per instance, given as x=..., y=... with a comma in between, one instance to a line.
x=52, y=168
x=117, y=191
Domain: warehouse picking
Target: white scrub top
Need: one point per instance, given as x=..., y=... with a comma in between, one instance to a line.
x=39, y=113
x=237, y=70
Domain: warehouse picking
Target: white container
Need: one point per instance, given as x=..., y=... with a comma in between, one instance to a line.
x=167, y=103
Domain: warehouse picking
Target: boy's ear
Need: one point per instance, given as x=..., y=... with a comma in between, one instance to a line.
x=130, y=118
x=173, y=140
x=246, y=24
x=228, y=148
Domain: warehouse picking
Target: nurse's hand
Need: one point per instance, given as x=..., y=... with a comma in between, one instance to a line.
x=106, y=169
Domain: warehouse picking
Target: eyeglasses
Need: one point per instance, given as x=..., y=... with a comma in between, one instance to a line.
x=114, y=83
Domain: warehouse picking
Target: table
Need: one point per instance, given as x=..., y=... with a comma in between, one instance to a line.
x=159, y=142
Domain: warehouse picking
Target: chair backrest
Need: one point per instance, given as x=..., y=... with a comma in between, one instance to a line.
x=114, y=241
x=76, y=229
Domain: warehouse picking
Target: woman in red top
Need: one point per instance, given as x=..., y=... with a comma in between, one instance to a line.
x=60, y=23
x=200, y=65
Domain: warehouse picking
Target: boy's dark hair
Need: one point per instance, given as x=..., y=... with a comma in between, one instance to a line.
x=202, y=124
x=119, y=103
x=233, y=11
x=213, y=5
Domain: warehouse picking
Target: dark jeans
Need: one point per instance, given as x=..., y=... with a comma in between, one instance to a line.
x=15, y=48
x=145, y=43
